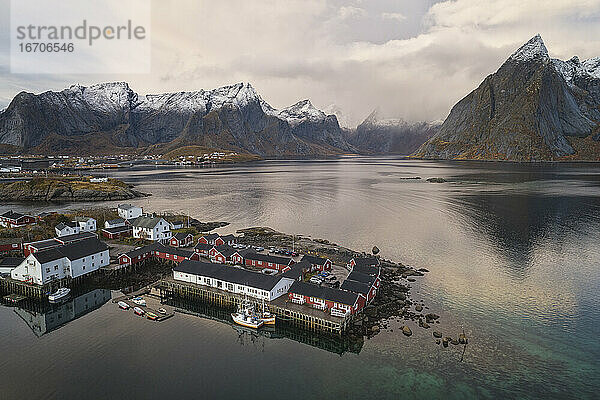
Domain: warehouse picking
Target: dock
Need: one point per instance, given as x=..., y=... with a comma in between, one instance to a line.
x=302, y=316
x=127, y=298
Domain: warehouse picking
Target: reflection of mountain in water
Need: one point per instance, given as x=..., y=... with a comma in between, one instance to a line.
x=333, y=344
x=43, y=318
x=515, y=223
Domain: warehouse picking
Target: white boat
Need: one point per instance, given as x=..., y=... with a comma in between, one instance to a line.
x=59, y=294
x=138, y=311
x=123, y=305
x=245, y=316
x=247, y=320
x=139, y=301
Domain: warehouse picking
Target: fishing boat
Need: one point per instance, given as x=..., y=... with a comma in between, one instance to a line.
x=152, y=316
x=266, y=317
x=59, y=294
x=138, y=311
x=123, y=305
x=246, y=317
x=162, y=311
x=139, y=301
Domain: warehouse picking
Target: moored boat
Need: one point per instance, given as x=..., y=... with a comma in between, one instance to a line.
x=59, y=294
x=139, y=301
x=248, y=320
x=151, y=315
x=138, y=311
x=123, y=305
x=265, y=316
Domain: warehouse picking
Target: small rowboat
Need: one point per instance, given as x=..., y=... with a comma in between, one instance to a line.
x=162, y=311
x=59, y=294
x=123, y=305
x=138, y=311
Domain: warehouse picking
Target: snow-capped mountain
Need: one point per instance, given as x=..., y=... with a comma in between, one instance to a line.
x=112, y=115
x=532, y=108
x=343, y=119
x=391, y=135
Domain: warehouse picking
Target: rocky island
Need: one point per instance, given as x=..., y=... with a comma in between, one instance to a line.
x=67, y=189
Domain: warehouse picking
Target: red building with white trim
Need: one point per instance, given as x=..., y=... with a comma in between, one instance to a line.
x=12, y=219
x=338, y=302
x=181, y=239
x=280, y=264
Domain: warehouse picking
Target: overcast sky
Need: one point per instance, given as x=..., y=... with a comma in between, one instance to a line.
x=410, y=58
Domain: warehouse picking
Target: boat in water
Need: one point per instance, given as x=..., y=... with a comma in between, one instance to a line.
x=245, y=316
x=151, y=315
x=138, y=311
x=265, y=316
x=123, y=305
x=139, y=301
x=59, y=294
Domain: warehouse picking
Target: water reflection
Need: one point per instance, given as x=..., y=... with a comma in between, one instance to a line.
x=43, y=317
x=331, y=343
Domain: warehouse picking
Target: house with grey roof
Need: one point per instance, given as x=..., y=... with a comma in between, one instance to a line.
x=67, y=261
x=151, y=228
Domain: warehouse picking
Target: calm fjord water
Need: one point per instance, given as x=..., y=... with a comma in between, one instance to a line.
x=514, y=260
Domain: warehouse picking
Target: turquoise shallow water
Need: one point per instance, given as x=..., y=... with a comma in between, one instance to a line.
x=514, y=260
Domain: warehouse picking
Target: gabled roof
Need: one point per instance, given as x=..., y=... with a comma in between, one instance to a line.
x=366, y=261
x=43, y=244
x=82, y=248
x=210, y=236
x=146, y=222
x=49, y=255
x=8, y=262
x=356, y=287
x=228, y=238
x=63, y=225
x=226, y=250
x=228, y=274
x=324, y=293
x=203, y=246
x=181, y=236
x=268, y=258
x=315, y=260
x=295, y=270
x=116, y=221
x=360, y=277
x=82, y=219
x=75, y=237
x=142, y=250
x=127, y=206
x=11, y=240
x=12, y=215
x=366, y=269
x=117, y=229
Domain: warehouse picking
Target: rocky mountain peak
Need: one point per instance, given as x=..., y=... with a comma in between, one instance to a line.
x=534, y=49
x=300, y=112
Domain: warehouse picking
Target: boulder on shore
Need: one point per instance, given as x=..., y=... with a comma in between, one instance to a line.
x=406, y=330
x=437, y=334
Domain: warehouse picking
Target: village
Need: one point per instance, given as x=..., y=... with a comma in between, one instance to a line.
x=307, y=289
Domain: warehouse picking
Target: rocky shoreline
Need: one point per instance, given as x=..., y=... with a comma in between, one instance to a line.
x=393, y=301
x=69, y=190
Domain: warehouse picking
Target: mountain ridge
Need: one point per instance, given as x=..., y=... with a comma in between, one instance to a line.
x=115, y=117
x=533, y=108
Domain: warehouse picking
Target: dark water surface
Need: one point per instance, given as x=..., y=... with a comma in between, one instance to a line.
x=514, y=257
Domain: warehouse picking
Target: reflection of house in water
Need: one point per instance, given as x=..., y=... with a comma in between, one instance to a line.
x=332, y=343
x=43, y=319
